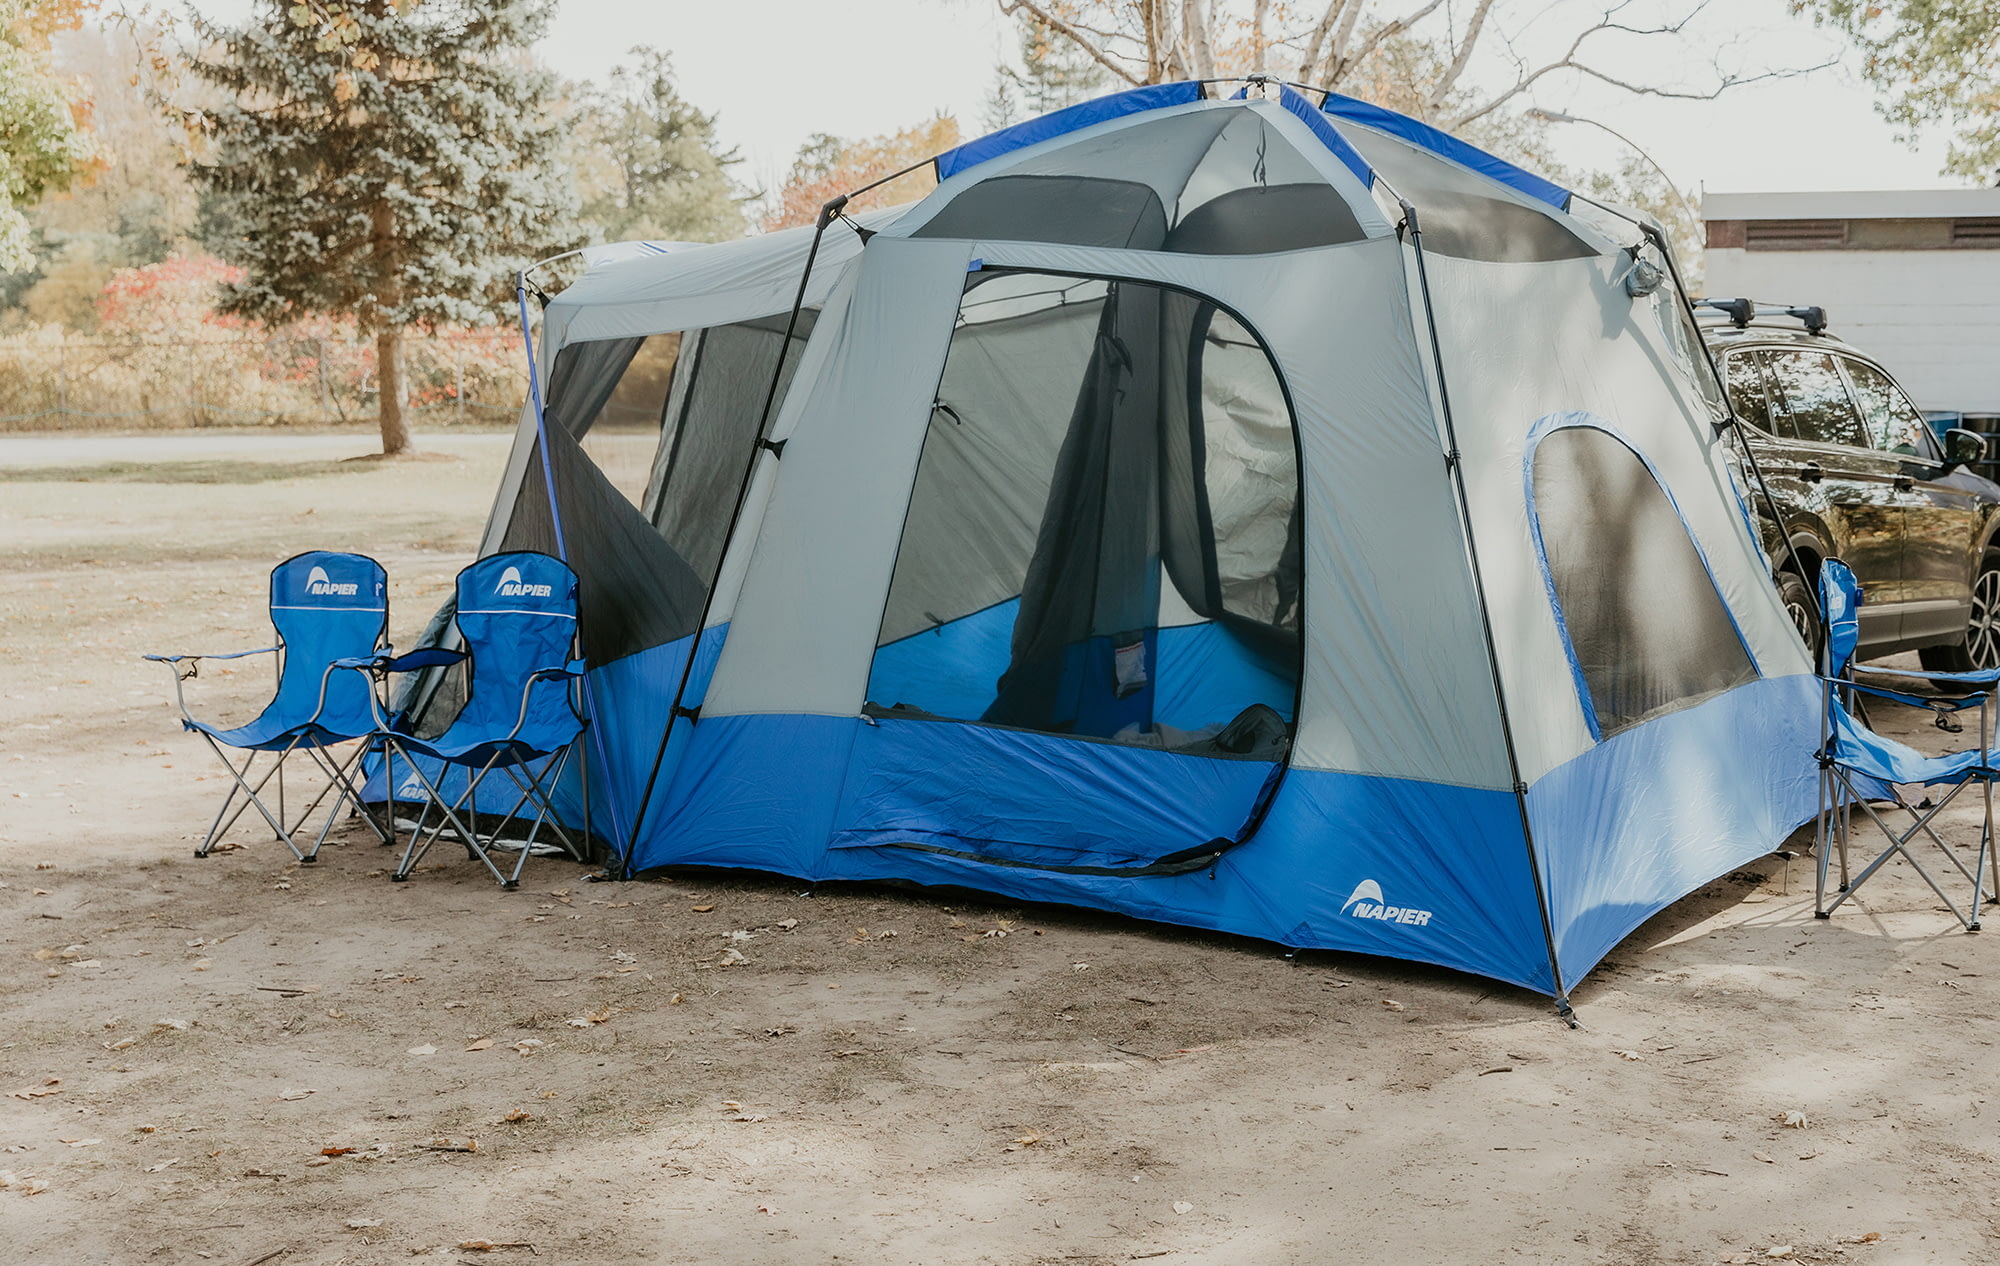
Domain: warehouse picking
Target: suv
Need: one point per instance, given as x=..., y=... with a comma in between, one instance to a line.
x=1858, y=475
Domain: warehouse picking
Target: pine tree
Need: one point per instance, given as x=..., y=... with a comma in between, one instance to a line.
x=660, y=173
x=391, y=160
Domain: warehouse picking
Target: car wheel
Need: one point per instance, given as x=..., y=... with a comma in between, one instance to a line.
x=1981, y=648
x=1801, y=610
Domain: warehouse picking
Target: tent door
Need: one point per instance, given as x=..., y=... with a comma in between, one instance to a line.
x=1089, y=652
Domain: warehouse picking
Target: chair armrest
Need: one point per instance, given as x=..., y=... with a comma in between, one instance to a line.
x=1936, y=703
x=175, y=659
x=1977, y=677
x=193, y=665
x=422, y=657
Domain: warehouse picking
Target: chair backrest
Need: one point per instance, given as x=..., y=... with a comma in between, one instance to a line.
x=328, y=606
x=516, y=614
x=1839, y=600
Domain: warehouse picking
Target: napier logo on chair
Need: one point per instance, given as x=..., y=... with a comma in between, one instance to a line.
x=320, y=585
x=512, y=586
x=1365, y=902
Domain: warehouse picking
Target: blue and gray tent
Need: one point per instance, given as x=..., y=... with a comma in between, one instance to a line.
x=1260, y=513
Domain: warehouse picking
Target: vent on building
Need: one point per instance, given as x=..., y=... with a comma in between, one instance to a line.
x=1976, y=233
x=1795, y=235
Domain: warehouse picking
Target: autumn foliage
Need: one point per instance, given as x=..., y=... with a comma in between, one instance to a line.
x=828, y=166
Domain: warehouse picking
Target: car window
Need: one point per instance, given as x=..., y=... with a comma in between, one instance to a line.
x=1746, y=390
x=1814, y=397
x=1893, y=423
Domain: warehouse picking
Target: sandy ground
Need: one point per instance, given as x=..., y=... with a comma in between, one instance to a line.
x=242, y=1060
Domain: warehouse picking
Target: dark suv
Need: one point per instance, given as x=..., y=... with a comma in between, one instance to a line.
x=1859, y=475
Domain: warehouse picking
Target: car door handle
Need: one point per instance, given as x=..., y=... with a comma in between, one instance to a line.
x=1811, y=473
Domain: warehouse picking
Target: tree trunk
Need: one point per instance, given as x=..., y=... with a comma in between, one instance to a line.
x=394, y=391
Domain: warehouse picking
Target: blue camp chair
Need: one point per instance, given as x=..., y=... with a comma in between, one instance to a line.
x=516, y=621
x=1859, y=768
x=325, y=607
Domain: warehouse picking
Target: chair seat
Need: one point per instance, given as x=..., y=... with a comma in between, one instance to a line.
x=465, y=745
x=270, y=733
x=1865, y=752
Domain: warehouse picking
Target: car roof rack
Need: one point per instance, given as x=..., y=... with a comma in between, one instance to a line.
x=1741, y=312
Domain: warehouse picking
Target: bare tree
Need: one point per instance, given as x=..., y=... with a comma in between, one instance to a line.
x=1451, y=62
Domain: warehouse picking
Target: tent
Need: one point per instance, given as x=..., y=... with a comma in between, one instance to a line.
x=1256, y=512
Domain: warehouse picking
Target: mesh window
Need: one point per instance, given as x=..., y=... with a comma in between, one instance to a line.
x=1211, y=182
x=1463, y=214
x=1101, y=452
x=611, y=395
x=714, y=413
x=1646, y=627
x=1813, y=398
x=645, y=507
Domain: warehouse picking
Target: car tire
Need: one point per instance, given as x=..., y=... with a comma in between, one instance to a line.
x=1981, y=648
x=1802, y=611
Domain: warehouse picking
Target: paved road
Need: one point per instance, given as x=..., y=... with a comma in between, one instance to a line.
x=83, y=449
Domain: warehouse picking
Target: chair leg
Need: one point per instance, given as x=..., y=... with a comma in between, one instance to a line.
x=251, y=793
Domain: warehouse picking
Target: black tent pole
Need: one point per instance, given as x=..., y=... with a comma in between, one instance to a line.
x=1454, y=463
x=827, y=215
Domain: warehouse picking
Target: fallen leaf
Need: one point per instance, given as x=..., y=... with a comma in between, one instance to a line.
x=1781, y=1250
x=165, y=1164
x=787, y=924
x=517, y=1114
x=1633, y=1056
x=1026, y=1140
x=297, y=1094
x=452, y=1145
x=40, y=1092
x=703, y=909
x=1792, y=1120
x=423, y=1050
x=1392, y=1004
x=731, y=957
x=1182, y=1206
x=1760, y=1156
x=362, y=1224
x=483, y=1044
x=81, y=1142
x=335, y=1151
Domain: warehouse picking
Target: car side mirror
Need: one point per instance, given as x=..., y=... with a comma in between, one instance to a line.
x=1963, y=448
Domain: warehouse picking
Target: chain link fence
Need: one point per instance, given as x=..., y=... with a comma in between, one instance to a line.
x=52, y=379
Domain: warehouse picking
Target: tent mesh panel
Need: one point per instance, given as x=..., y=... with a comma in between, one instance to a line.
x=1646, y=627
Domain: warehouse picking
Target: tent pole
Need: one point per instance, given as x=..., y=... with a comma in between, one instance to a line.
x=827, y=215
x=555, y=520
x=1456, y=466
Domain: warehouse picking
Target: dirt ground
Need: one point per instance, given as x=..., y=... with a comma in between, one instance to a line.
x=241, y=1060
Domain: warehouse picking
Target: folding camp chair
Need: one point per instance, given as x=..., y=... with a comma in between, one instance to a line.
x=516, y=620
x=325, y=607
x=1859, y=768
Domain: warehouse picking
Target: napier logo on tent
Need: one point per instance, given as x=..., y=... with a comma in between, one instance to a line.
x=1366, y=903
x=320, y=585
x=512, y=586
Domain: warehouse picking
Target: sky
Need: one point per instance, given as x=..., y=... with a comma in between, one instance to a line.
x=776, y=71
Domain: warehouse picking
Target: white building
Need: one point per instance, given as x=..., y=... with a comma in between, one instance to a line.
x=1911, y=277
